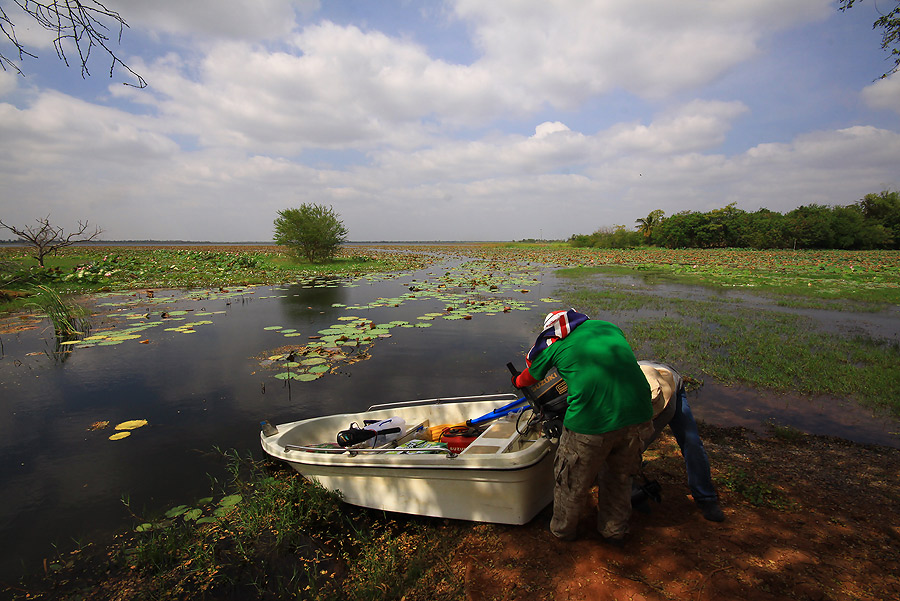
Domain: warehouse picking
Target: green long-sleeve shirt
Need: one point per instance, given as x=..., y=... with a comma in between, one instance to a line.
x=607, y=389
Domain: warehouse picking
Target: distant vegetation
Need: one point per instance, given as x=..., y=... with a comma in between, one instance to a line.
x=312, y=232
x=871, y=223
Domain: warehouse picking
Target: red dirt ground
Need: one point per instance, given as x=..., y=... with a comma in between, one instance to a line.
x=834, y=533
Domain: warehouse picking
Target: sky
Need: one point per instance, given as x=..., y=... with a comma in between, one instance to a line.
x=447, y=120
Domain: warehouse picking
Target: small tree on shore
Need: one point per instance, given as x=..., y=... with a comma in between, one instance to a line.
x=45, y=239
x=311, y=231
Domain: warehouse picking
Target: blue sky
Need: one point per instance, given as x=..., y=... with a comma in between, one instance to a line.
x=456, y=120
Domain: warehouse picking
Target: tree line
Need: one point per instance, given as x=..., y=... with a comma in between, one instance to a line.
x=871, y=223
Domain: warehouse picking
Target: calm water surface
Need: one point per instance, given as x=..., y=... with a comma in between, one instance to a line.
x=61, y=482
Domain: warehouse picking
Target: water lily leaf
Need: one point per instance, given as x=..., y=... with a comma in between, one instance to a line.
x=272, y=328
x=176, y=511
x=207, y=520
x=318, y=369
x=308, y=377
x=132, y=424
x=313, y=361
x=205, y=500
x=230, y=500
x=120, y=435
x=193, y=514
x=145, y=527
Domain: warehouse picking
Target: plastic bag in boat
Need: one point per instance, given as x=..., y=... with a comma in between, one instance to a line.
x=378, y=432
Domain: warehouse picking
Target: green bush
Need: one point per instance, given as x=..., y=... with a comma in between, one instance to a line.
x=312, y=231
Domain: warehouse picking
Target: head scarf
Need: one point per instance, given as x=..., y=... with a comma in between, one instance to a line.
x=557, y=325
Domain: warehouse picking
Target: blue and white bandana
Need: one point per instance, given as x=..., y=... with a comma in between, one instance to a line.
x=557, y=325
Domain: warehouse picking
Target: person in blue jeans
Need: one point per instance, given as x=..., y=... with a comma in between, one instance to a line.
x=671, y=409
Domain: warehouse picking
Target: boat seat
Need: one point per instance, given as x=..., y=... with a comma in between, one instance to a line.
x=497, y=438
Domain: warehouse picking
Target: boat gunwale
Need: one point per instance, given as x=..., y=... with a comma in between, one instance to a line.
x=390, y=458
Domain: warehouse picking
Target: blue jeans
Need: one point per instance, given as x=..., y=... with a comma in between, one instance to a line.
x=696, y=461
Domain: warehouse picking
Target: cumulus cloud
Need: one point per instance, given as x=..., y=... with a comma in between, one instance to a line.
x=333, y=87
x=884, y=94
x=8, y=82
x=563, y=52
x=242, y=120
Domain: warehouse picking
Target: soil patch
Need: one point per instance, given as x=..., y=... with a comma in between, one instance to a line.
x=806, y=518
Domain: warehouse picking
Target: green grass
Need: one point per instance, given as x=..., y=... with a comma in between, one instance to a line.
x=756, y=492
x=270, y=535
x=91, y=269
x=756, y=347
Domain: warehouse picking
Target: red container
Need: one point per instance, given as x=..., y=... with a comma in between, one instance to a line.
x=458, y=439
x=456, y=444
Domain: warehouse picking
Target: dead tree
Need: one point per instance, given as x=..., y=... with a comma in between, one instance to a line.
x=80, y=26
x=46, y=239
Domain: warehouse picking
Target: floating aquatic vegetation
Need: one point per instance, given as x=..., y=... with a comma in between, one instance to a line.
x=194, y=514
x=133, y=424
x=98, y=425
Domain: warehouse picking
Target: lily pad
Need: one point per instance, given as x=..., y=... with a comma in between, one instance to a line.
x=230, y=500
x=176, y=511
x=132, y=424
x=120, y=435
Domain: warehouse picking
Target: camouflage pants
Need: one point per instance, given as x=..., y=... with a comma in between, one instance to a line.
x=611, y=459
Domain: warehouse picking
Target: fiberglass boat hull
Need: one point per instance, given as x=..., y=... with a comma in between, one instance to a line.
x=502, y=477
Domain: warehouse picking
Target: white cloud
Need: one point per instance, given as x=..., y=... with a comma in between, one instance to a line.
x=243, y=120
x=696, y=126
x=338, y=87
x=884, y=94
x=8, y=82
x=547, y=128
x=562, y=52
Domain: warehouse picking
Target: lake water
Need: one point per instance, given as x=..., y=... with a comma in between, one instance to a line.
x=207, y=385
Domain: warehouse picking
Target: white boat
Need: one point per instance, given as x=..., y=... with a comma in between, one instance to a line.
x=504, y=476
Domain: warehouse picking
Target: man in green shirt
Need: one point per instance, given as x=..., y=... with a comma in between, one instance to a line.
x=608, y=418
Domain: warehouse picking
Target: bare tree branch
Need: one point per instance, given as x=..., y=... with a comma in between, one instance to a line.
x=81, y=23
x=46, y=238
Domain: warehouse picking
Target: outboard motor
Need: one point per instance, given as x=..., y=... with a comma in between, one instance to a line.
x=549, y=400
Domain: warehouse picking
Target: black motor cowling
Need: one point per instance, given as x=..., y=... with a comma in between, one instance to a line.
x=549, y=399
